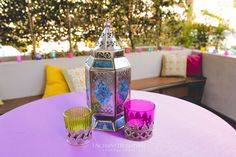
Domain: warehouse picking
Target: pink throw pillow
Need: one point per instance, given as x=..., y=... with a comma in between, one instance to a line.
x=194, y=65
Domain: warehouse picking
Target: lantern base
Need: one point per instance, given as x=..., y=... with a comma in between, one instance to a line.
x=108, y=123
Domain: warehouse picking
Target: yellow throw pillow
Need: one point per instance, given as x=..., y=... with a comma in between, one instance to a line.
x=174, y=65
x=1, y=102
x=75, y=78
x=55, y=82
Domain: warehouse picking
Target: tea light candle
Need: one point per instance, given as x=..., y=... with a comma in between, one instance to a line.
x=18, y=59
x=70, y=55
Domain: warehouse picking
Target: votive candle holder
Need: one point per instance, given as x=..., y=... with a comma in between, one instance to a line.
x=70, y=55
x=127, y=50
x=78, y=123
x=139, y=119
x=150, y=49
x=140, y=50
x=53, y=55
x=38, y=57
x=18, y=58
x=170, y=48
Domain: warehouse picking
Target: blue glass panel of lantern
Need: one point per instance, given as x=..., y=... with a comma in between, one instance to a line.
x=119, y=108
x=103, y=64
x=123, y=90
x=120, y=122
x=102, y=92
x=104, y=126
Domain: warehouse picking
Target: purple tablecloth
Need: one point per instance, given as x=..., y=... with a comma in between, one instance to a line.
x=181, y=129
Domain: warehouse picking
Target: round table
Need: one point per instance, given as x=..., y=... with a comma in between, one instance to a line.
x=181, y=129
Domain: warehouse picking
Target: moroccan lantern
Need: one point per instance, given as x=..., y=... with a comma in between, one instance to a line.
x=108, y=75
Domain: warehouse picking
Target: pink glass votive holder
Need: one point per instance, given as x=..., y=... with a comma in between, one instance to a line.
x=226, y=53
x=127, y=50
x=170, y=48
x=139, y=119
x=18, y=58
x=70, y=55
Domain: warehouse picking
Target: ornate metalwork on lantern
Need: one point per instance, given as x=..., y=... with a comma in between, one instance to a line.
x=108, y=75
x=138, y=133
x=79, y=137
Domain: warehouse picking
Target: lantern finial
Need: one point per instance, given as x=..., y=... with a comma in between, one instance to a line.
x=107, y=41
x=108, y=23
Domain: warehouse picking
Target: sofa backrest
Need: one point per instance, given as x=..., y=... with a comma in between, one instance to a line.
x=219, y=93
x=28, y=77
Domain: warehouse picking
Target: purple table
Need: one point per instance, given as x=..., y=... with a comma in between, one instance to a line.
x=182, y=129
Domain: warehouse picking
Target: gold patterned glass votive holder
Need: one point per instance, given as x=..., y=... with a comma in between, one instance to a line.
x=78, y=122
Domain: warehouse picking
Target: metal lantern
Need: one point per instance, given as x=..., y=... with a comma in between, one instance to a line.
x=108, y=75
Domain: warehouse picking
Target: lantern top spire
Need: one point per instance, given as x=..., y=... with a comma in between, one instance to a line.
x=107, y=23
x=107, y=41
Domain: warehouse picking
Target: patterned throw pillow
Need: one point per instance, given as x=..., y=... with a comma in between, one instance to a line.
x=75, y=78
x=174, y=65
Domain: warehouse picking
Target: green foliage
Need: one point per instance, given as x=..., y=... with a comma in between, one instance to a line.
x=200, y=35
x=217, y=32
x=127, y=19
x=14, y=22
x=136, y=22
x=185, y=35
x=167, y=22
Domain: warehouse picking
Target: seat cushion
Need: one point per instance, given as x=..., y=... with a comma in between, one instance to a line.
x=55, y=82
x=13, y=103
x=154, y=83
